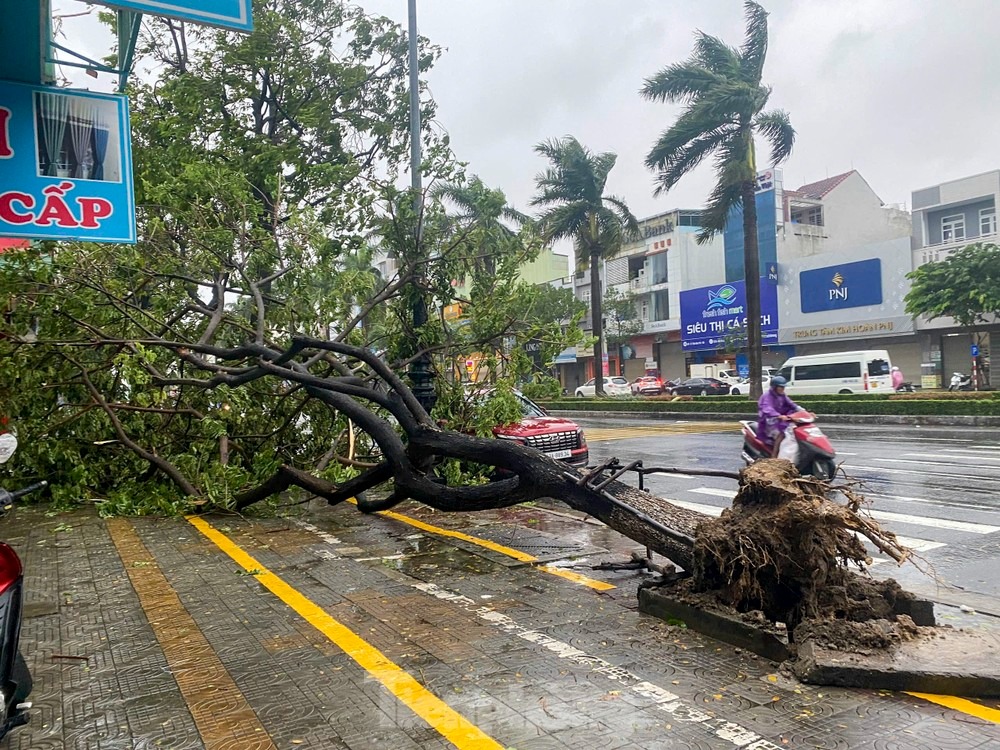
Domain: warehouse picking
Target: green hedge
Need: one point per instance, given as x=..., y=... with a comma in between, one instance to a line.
x=722, y=405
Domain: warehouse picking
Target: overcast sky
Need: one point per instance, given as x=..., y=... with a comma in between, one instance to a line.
x=905, y=91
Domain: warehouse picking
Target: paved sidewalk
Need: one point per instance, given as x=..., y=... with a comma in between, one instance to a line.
x=339, y=630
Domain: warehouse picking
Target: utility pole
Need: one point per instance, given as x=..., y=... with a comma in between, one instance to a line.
x=420, y=372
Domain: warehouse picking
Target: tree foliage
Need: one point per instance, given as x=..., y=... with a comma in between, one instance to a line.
x=264, y=168
x=724, y=97
x=575, y=207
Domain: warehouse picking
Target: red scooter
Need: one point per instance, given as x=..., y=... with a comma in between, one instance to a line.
x=814, y=454
x=15, y=679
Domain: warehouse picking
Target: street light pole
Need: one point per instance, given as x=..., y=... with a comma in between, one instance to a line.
x=421, y=376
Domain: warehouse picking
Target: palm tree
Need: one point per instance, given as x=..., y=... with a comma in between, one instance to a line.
x=725, y=98
x=572, y=192
x=483, y=211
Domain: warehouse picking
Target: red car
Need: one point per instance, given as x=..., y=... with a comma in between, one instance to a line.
x=554, y=436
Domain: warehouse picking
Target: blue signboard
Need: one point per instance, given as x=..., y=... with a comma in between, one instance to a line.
x=975, y=350
x=65, y=165
x=713, y=315
x=767, y=234
x=229, y=14
x=857, y=284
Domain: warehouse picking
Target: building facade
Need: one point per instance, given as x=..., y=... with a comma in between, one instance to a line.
x=947, y=217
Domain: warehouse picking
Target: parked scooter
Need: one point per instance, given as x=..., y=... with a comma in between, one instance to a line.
x=804, y=445
x=905, y=388
x=15, y=679
x=960, y=382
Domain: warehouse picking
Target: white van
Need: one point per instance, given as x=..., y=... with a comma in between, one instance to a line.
x=868, y=371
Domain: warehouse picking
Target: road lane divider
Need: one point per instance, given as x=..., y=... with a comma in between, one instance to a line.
x=516, y=554
x=959, y=456
x=445, y=720
x=202, y=679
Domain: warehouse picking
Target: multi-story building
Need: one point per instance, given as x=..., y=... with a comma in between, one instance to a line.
x=946, y=217
x=842, y=260
x=653, y=269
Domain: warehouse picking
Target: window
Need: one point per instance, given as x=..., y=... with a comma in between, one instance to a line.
x=661, y=305
x=953, y=228
x=987, y=221
x=808, y=215
x=878, y=367
x=831, y=371
x=657, y=268
x=786, y=373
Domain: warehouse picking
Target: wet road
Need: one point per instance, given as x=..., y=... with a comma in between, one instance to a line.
x=938, y=489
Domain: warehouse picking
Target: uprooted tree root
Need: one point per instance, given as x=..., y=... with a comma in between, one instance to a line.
x=783, y=549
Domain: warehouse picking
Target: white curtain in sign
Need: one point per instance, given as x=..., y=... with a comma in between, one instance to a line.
x=54, y=109
x=81, y=130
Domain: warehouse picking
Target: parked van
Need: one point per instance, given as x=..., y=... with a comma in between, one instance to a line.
x=866, y=371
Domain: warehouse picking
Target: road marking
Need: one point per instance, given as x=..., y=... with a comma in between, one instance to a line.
x=662, y=699
x=991, y=447
x=918, y=545
x=201, y=677
x=908, y=472
x=450, y=724
x=604, y=434
x=885, y=515
x=971, y=452
x=922, y=463
x=517, y=554
x=968, y=458
x=961, y=704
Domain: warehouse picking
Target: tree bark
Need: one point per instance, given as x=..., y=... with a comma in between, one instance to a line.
x=751, y=275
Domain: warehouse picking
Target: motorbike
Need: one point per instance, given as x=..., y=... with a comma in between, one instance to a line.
x=15, y=679
x=804, y=445
x=905, y=388
x=960, y=382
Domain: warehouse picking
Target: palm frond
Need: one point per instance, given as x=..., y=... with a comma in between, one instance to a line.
x=726, y=195
x=680, y=81
x=563, y=221
x=629, y=224
x=715, y=55
x=680, y=161
x=754, y=49
x=776, y=127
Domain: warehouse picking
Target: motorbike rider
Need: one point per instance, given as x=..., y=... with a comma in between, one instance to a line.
x=773, y=409
x=897, y=378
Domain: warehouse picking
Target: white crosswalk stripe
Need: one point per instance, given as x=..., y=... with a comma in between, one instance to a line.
x=915, y=544
x=959, y=457
x=885, y=515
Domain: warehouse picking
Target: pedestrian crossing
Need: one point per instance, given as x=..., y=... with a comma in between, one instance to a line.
x=889, y=519
x=604, y=434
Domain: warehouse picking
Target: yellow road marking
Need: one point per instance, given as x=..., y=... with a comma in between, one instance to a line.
x=503, y=550
x=961, y=704
x=450, y=724
x=603, y=434
x=202, y=679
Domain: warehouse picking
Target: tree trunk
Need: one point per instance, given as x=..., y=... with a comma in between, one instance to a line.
x=751, y=275
x=597, y=315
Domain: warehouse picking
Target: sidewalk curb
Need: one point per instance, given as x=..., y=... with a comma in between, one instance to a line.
x=876, y=419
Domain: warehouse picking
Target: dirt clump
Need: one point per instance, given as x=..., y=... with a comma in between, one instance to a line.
x=783, y=549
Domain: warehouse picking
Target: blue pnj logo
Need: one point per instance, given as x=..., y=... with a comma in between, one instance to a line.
x=724, y=296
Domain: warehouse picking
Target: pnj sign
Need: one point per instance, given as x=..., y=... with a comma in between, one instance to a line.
x=65, y=165
x=228, y=14
x=857, y=284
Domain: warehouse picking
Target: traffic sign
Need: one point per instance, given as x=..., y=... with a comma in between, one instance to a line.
x=975, y=350
x=227, y=14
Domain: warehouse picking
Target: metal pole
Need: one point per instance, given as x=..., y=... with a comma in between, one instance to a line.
x=420, y=374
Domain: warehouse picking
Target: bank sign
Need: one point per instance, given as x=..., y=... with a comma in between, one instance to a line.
x=714, y=316
x=227, y=14
x=857, y=284
x=65, y=165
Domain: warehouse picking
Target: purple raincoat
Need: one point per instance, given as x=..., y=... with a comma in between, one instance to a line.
x=771, y=406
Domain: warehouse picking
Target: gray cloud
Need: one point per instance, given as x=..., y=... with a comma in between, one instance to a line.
x=903, y=91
